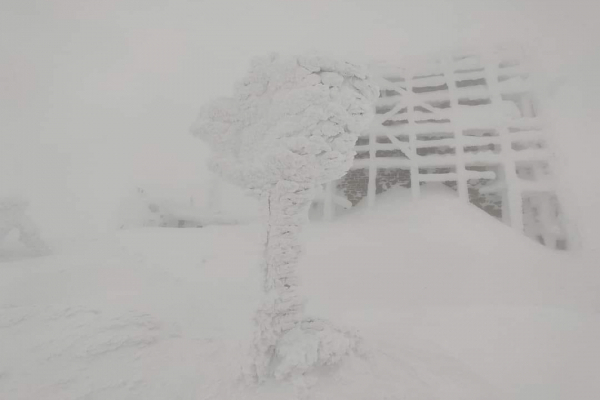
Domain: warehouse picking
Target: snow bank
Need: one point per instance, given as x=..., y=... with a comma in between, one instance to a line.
x=450, y=303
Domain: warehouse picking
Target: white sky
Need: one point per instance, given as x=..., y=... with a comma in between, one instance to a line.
x=96, y=96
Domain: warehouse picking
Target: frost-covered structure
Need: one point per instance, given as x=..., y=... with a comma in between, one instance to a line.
x=470, y=119
x=290, y=126
x=13, y=217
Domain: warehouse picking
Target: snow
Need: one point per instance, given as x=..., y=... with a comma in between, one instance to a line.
x=96, y=100
x=209, y=201
x=449, y=303
x=14, y=220
x=290, y=126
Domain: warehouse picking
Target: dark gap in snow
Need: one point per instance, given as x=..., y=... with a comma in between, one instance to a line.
x=437, y=170
x=439, y=103
x=390, y=122
x=507, y=75
x=436, y=136
x=474, y=102
x=383, y=139
x=482, y=149
x=389, y=93
x=468, y=70
x=361, y=155
x=427, y=89
x=386, y=139
x=422, y=109
x=417, y=77
x=441, y=150
x=396, y=153
x=480, y=132
x=362, y=140
x=434, y=121
x=383, y=109
x=470, y=82
x=388, y=178
x=520, y=145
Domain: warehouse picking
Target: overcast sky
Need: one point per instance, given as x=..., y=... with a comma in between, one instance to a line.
x=97, y=96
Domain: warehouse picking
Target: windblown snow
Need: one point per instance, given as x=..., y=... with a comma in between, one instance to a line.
x=450, y=304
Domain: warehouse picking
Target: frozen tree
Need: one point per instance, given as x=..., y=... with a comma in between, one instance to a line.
x=290, y=126
x=13, y=217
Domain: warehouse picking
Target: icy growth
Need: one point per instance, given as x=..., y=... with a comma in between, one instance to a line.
x=290, y=126
x=13, y=216
x=291, y=118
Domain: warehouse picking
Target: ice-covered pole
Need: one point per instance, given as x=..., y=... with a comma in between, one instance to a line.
x=291, y=125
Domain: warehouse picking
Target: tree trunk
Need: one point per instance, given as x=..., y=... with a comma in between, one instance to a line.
x=286, y=208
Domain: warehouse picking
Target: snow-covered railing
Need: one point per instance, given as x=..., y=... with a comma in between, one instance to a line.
x=468, y=120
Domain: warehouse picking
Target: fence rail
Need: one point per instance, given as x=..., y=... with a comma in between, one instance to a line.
x=468, y=120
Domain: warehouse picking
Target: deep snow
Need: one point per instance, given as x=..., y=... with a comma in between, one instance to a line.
x=451, y=305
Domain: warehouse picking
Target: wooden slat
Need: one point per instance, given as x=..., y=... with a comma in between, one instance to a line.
x=425, y=128
x=436, y=161
x=436, y=75
x=452, y=176
x=511, y=86
x=461, y=181
x=383, y=162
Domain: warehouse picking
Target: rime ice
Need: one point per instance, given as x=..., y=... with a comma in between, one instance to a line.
x=290, y=126
x=13, y=216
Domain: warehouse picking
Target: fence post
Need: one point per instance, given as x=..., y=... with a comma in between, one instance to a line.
x=415, y=182
x=461, y=175
x=513, y=186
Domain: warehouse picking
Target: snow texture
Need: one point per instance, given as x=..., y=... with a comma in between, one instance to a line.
x=158, y=314
x=291, y=118
x=291, y=126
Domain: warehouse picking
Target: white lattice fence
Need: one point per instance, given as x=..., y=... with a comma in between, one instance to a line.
x=468, y=120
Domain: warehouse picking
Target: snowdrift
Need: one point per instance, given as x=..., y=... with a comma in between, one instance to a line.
x=451, y=305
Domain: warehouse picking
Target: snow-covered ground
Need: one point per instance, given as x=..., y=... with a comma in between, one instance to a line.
x=451, y=305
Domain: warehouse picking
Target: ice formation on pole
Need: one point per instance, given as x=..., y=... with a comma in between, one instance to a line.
x=290, y=126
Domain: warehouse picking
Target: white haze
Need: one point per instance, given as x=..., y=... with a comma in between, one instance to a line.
x=98, y=96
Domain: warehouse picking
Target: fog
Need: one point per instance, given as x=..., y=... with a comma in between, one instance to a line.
x=97, y=96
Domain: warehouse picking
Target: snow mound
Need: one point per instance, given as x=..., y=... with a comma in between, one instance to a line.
x=449, y=304
x=77, y=350
x=438, y=251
